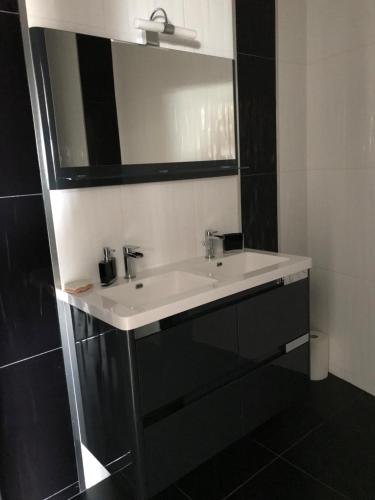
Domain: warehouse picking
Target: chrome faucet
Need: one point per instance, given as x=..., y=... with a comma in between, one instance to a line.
x=209, y=237
x=130, y=254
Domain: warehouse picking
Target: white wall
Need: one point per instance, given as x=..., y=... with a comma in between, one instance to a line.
x=167, y=219
x=291, y=102
x=115, y=19
x=341, y=181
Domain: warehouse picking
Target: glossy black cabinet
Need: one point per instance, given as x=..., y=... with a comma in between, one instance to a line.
x=177, y=444
x=176, y=362
x=270, y=320
x=181, y=390
x=274, y=386
x=103, y=389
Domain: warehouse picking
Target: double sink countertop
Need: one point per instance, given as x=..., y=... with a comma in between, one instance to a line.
x=167, y=290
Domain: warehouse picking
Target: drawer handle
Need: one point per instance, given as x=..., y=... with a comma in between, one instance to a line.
x=297, y=343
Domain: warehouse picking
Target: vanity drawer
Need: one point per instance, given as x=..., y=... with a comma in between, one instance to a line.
x=180, y=360
x=272, y=388
x=179, y=443
x=270, y=320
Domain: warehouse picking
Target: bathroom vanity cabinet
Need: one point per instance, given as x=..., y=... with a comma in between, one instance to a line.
x=178, y=391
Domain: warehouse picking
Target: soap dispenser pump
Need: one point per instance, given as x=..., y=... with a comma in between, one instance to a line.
x=107, y=268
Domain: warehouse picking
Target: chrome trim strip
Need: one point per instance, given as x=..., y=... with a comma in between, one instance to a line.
x=74, y=391
x=293, y=278
x=42, y=156
x=66, y=328
x=291, y=346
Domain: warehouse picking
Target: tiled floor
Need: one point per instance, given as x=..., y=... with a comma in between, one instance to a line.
x=321, y=450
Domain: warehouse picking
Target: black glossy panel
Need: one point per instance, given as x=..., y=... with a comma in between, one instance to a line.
x=86, y=326
x=99, y=103
x=257, y=113
x=183, y=359
x=269, y=321
x=176, y=445
x=28, y=319
x=103, y=378
x=323, y=399
x=218, y=477
x=272, y=388
x=259, y=211
x=342, y=452
x=9, y=5
x=37, y=453
x=281, y=481
x=19, y=163
x=256, y=27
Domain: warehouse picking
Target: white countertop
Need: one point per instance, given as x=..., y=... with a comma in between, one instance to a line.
x=164, y=291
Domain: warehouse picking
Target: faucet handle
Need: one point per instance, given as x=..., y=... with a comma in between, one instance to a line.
x=129, y=248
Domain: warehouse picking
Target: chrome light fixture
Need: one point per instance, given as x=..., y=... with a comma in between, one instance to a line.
x=164, y=26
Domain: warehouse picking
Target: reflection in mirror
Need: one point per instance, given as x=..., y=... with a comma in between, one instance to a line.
x=122, y=104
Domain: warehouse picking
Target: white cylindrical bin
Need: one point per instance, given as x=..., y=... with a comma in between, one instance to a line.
x=319, y=355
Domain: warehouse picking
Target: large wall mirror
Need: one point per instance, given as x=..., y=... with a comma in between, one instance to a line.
x=116, y=113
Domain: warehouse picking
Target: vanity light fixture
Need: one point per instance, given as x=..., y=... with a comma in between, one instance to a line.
x=164, y=26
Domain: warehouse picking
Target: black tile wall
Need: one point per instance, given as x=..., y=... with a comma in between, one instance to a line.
x=259, y=211
x=19, y=163
x=257, y=113
x=256, y=27
x=36, y=443
x=37, y=451
x=256, y=77
x=28, y=323
x=9, y=5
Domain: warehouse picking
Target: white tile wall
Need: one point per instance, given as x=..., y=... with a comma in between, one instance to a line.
x=292, y=217
x=212, y=19
x=341, y=181
x=166, y=219
x=291, y=99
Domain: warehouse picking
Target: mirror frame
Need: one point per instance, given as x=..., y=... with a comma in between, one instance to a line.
x=107, y=175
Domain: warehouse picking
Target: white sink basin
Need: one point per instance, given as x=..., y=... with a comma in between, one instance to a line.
x=168, y=290
x=239, y=264
x=156, y=289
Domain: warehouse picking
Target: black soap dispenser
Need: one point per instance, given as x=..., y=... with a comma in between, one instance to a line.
x=107, y=268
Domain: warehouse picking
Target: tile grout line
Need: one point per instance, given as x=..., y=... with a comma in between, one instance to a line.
x=61, y=491
x=19, y=196
x=266, y=58
x=188, y=497
x=29, y=358
x=2, y=11
x=300, y=469
x=302, y=438
x=251, y=478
